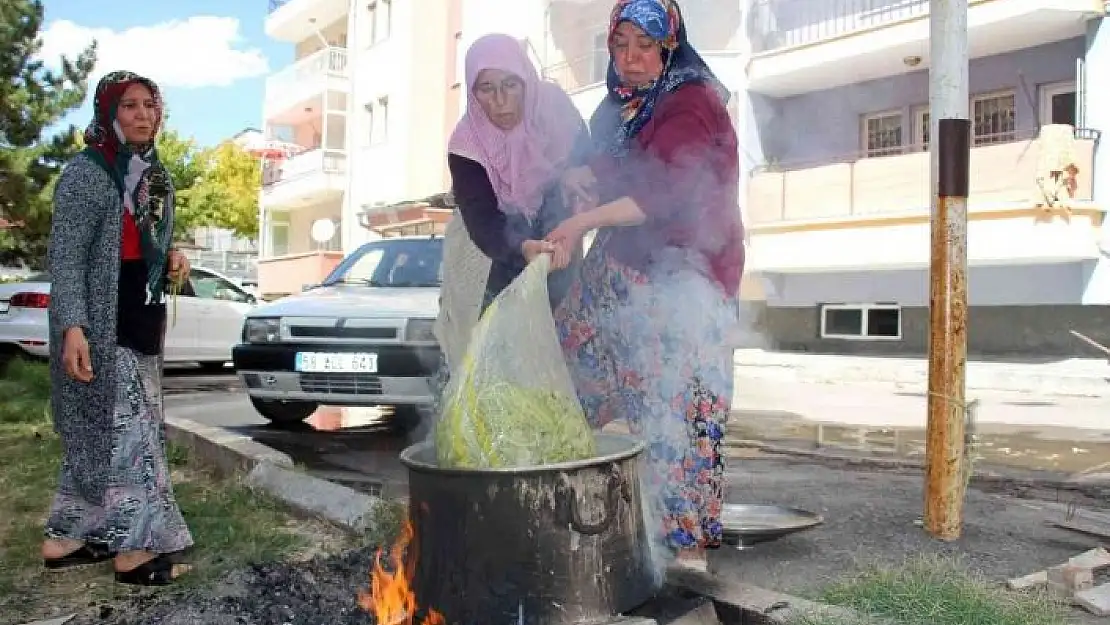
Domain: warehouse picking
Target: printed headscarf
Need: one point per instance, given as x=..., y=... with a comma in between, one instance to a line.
x=143, y=182
x=662, y=21
x=523, y=162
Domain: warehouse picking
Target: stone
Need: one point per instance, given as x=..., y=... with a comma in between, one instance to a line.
x=1093, y=559
x=1026, y=582
x=1068, y=578
x=1095, y=600
x=55, y=621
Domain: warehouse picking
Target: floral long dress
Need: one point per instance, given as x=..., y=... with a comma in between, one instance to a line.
x=650, y=348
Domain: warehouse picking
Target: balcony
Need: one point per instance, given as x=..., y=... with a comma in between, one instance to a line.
x=306, y=85
x=809, y=45
x=296, y=20
x=284, y=275
x=874, y=211
x=305, y=179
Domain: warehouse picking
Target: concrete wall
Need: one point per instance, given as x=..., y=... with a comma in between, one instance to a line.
x=1027, y=332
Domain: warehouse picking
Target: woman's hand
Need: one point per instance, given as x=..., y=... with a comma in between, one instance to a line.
x=179, y=266
x=75, y=355
x=566, y=237
x=533, y=248
x=579, y=188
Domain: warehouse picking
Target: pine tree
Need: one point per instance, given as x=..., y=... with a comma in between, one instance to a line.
x=32, y=100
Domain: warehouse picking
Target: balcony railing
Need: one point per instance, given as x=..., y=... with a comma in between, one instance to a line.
x=581, y=72
x=853, y=187
x=780, y=24
x=312, y=162
x=306, y=76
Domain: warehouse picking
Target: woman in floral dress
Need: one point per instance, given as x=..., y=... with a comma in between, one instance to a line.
x=645, y=326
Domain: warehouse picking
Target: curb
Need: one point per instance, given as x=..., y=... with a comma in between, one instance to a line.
x=978, y=477
x=265, y=469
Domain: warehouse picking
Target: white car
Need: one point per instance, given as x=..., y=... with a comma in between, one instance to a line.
x=206, y=321
x=363, y=337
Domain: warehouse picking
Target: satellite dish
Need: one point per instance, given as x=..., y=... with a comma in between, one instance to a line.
x=322, y=230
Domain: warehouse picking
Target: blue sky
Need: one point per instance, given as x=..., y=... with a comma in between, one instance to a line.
x=210, y=57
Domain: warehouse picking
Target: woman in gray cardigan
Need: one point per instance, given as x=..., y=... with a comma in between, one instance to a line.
x=111, y=262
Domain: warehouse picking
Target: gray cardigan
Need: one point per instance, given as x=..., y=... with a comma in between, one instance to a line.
x=84, y=264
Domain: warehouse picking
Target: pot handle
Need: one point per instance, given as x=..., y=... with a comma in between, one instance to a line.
x=616, y=490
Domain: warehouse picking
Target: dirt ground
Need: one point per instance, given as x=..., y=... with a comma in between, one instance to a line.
x=870, y=517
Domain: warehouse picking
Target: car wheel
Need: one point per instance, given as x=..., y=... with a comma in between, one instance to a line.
x=284, y=412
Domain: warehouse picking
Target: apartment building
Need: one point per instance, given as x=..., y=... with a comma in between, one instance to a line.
x=835, y=119
x=364, y=113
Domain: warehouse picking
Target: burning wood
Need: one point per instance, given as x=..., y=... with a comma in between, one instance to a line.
x=390, y=597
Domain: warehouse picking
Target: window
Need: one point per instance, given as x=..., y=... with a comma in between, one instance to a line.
x=377, y=121
x=1058, y=104
x=920, y=139
x=876, y=322
x=379, y=19
x=992, y=117
x=457, y=69
x=207, y=286
x=393, y=263
x=278, y=239
x=882, y=133
x=599, y=57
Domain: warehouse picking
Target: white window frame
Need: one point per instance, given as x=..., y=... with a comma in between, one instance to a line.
x=866, y=117
x=920, y=129
x=991, y=95
x=864, y=309
x=1050, y=90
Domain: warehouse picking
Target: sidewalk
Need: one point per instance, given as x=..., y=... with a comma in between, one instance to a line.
x=1076, y=376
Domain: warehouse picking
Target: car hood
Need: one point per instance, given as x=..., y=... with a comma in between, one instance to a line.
x=355, y=301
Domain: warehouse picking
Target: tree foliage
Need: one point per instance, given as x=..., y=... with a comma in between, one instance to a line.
x=32, y=100
x=226, y=193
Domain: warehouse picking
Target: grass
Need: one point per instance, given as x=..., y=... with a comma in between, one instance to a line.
x=232, y=525
x=931, y=590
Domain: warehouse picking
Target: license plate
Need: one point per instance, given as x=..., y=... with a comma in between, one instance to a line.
x=4, y=307
x=318, y=362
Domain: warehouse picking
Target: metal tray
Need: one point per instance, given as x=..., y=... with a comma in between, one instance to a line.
x=750, y=524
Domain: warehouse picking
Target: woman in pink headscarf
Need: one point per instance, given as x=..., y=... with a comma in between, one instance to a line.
x=507, y=156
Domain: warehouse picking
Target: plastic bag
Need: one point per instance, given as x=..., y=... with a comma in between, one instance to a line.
x=511, y=401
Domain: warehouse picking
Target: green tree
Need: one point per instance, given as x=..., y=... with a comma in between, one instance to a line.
x=226, y=194
x=32, y=100
x=185, y=162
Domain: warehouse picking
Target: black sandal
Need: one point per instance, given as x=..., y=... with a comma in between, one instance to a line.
x=156, y=572
x=84, y=555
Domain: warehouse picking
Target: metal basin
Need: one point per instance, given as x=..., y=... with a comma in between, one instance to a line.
x=750, y=524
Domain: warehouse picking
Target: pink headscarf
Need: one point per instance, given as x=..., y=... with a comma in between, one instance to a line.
x=520, y=163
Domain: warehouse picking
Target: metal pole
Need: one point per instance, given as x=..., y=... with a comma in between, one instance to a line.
x=950, y=151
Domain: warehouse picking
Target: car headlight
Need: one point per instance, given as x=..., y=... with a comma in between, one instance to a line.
x=262, y=330
x=420, y=330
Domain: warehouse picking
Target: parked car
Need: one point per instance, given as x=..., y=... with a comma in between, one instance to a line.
x=362, y=337
x=206, y=324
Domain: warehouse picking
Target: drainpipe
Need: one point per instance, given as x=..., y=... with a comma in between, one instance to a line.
x=349, y=207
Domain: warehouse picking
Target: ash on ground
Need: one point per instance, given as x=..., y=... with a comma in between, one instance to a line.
x=322, y=590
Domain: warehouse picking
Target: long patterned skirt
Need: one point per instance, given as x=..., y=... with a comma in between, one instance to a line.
x=649, y=348
x=139, y=512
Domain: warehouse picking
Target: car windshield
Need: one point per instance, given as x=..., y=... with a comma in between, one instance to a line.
x=392, y=263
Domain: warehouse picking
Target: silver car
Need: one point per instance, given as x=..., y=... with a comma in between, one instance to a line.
x=363, y=337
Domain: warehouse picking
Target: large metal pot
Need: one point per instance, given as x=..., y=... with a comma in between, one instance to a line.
x=550, y=545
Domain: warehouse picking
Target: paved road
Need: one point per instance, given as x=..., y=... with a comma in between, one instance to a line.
x=358, y=446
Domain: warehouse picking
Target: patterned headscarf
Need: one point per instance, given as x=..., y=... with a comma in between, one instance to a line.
x=143, y=182
x=662, y=21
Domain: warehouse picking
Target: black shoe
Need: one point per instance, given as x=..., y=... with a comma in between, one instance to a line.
x=156, y=572
x=84, y=555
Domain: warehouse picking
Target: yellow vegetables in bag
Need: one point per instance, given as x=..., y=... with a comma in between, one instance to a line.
x=511, y=403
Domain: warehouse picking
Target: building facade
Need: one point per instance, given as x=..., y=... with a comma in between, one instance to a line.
x=830, y=100
x=363, y=110
x=836, y=129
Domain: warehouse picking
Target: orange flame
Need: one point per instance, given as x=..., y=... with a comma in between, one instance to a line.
x=390, y=598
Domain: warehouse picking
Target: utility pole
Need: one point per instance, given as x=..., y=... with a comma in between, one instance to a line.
x=950, y=153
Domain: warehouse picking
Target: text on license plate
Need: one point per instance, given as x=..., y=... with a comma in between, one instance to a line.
x=3, y=308
x=320, y=362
